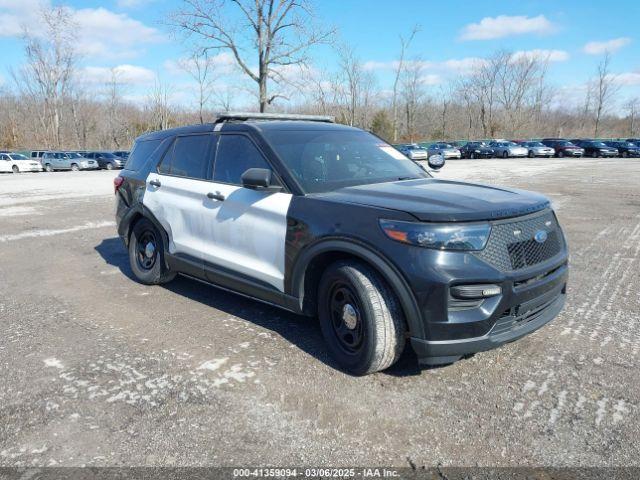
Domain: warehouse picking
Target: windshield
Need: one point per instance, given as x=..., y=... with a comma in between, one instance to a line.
x=73, y=155
x=323, y=161
x=598, y=144
x=107, y=155
x=535, y=144
x=18, y=156
x=513, y=144
x=565, y=144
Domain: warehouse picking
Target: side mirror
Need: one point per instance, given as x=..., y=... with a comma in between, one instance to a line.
x=436, y=162
x=260, y=179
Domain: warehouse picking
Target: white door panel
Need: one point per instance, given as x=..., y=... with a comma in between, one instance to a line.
x=179, y=204
x=246, y=232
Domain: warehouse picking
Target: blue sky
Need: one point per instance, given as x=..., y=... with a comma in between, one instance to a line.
x=130, y=34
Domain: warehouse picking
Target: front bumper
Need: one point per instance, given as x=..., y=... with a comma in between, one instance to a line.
x=520, y=321
x=573, y=153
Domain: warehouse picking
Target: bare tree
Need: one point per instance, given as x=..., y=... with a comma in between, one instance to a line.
x=604, y=89
x=49, y=69
x=201, y=69
x=412, y=94
x=353, y=89
x=632, y=107
x=278, y=33
x=404, y=46
x=159, y=106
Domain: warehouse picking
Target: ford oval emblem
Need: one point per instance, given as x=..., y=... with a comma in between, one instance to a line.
x=540, y=236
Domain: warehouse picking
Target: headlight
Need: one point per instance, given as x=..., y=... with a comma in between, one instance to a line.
x=438, y=236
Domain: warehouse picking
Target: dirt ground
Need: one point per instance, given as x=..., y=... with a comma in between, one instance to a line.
x=96, y=369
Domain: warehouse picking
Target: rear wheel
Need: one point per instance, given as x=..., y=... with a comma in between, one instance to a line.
x=360, y=318
x=146, y=254
x=625, y=154
x=15, y=169
x=560, y=154
x=531, y=155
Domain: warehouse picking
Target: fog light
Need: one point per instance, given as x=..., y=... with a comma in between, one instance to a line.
x=475, y=291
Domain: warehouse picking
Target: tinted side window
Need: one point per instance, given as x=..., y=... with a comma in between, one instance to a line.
x=236, y=154
x=140, y=154
x=189, y=157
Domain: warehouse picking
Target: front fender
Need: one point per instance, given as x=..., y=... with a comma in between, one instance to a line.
x=369, y=255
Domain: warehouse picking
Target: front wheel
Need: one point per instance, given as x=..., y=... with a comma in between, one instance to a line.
x=531, y=155
x=74, y=167
x=109, y=166
x=146, y=254
x=505, y=154
x=15, y=169
x=361, y=320
x=560, y=154
x=48, y=167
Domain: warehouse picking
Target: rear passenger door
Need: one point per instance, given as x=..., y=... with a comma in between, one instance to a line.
x=245, y=229
x=176, y=194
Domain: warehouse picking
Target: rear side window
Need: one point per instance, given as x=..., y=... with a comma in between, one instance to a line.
x=189, y=157
x=140, y=154
x=236, y=154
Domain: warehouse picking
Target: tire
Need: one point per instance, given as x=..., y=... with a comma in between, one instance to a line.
x=147, y=263
x=74, y=167
x=560, y=154
x=15, y=169
x=360, y=317
x=531, y=155
x=109, y=166
x=597, y=154
x=625, y=154
x=472, y=156
x=505, y=154
x=48, y=167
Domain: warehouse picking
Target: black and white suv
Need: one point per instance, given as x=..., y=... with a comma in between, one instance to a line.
x=331, y=221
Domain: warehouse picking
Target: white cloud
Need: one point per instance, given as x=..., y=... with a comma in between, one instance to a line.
x=104, y=33
x=101, y=32
x=223, y=64
x=506, y=26
x=431, y=79
x=627, y=79
x=132, y=3
x=455, y=65
x=613, y=45
x=124, y=74
x=543, y=55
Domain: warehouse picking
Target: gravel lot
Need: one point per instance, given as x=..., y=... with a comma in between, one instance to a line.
x=98, y=370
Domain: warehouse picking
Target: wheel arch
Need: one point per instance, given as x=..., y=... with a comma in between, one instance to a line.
x=315, y=259
x=133, y=216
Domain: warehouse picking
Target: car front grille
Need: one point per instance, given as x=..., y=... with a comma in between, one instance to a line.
x=512, y=245
x=514, y=318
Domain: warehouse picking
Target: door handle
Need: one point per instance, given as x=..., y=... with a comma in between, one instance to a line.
x=155, y=183
x=216, y=196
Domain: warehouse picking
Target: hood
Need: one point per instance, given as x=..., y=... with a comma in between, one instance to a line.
x=434, y=200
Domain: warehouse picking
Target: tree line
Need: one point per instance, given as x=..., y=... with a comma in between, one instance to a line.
x=506, y=95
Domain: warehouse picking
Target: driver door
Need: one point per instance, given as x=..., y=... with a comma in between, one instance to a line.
x=245, y=229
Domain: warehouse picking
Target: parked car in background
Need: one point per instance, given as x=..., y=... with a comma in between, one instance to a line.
x=106, y=160
x=124, y=154
x=17, y=163
x=53, y=161
x=414, y=151
x=37, y=153
x=625, y=149
x=506, y=149
x=476, y=150
x=445, y=149
x=595, y=148
x=563, y=147
x=538, y=149
x=635, y=141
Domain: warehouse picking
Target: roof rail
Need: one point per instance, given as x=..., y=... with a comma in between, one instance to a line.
x=244, y=116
